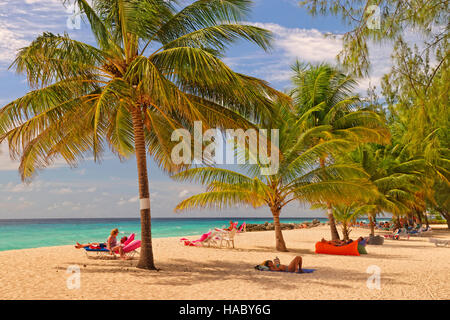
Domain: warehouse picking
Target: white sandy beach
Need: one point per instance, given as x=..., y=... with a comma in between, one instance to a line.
x=413, y=269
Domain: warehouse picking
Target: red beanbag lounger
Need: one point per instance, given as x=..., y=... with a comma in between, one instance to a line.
x=348, y=250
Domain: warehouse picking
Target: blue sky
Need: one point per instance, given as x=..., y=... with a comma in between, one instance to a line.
x=110, y=189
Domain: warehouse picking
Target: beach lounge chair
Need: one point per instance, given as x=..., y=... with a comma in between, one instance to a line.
x=440, y=242
x=423, y=232
x=98, y=252
x=243, y=228
x=207, y=239
x=214, y=239
x=228, y=237
x=347, y=250
x=129, y=248
x=198, y=242
x=397, y=234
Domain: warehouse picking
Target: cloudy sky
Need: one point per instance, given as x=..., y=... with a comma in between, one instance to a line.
x=109, y=189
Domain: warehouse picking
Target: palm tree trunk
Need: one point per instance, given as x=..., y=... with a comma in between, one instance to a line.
x=372, y=226
x=446, y=216
x=397, y=223
x=146, y=252
x=334, y=231
x=345, y=231
x=279, y=240
x=332, y=222
x=426, y=220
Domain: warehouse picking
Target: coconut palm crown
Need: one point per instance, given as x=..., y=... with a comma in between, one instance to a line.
x=328, y=96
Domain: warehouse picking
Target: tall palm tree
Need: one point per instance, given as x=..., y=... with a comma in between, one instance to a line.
x=154, y=68
x=300, y=176
x=329, y=94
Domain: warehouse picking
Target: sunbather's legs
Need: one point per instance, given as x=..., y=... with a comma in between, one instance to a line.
x=79, y=245
x=295, y=265
x=119, y=249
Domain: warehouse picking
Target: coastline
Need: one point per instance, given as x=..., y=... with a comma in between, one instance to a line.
x=410, y=269
x=37, y=233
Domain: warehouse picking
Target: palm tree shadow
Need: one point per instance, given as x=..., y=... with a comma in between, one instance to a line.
x=272, y=250
x=181, y=272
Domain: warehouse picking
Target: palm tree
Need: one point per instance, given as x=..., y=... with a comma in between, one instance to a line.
x=154, y=69
x=397, y=180
x=328, y=93
x=345, y=214
x=300, y=176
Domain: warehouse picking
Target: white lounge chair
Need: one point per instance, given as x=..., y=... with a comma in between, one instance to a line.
x=440, y=242
x=228, y=237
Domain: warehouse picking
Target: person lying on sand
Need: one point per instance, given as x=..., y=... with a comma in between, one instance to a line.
x=294, y=266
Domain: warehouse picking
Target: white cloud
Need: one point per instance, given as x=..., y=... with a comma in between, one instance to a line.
x=133, y=199
x=22, y=21
x=307, y=45
x=62, y=191
x=6, y=164
x=121, y=202
x=92, y=189
x=183, y=193
x=81, y=172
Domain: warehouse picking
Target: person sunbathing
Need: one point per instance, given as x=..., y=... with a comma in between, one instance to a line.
x=111, y=244
x=338, y=243
x=294, y=266
x=90, y=245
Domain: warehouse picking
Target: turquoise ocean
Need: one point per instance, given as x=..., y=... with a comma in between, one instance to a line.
x=34, y=233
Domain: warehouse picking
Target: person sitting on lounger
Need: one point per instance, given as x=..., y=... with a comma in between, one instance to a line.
x=111, y=244
x=294, y=266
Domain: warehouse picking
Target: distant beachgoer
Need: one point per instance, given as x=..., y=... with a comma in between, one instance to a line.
x=231, y=227
x=294, y=266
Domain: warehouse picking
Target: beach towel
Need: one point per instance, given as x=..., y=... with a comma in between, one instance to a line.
x=304, y=271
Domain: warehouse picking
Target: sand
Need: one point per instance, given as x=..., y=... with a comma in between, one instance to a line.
x=410, y=269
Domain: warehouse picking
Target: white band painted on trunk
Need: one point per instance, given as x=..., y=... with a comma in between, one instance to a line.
x=145, y=203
